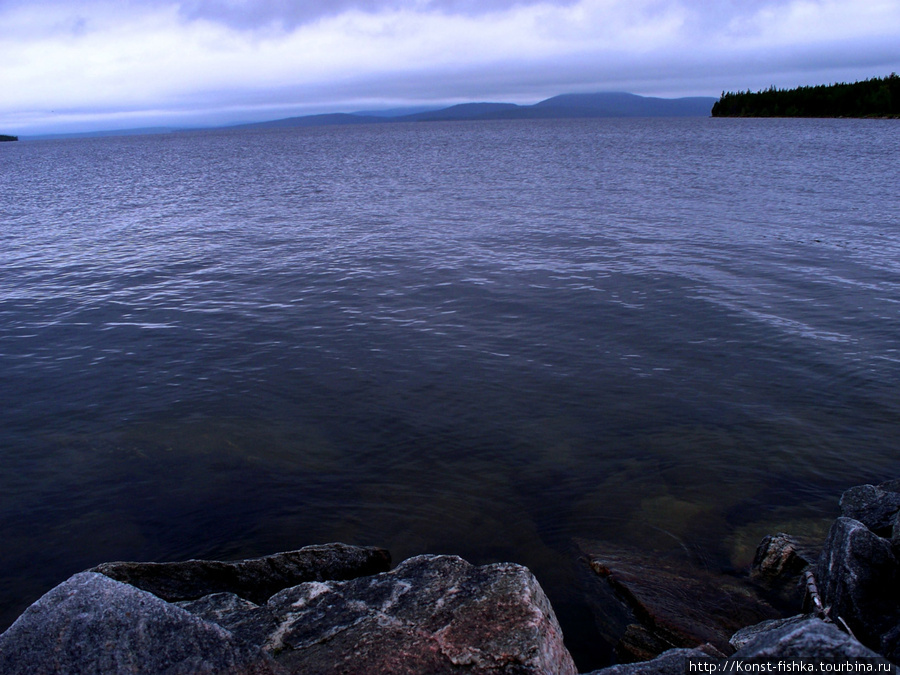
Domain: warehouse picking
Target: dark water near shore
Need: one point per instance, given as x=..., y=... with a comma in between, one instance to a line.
x=488, y=339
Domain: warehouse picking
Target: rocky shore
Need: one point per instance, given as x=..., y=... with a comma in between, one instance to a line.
x=341, y=609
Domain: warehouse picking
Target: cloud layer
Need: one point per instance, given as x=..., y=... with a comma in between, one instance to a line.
x=97, y=63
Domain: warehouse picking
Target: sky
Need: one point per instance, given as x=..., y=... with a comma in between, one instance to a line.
x=82, y=65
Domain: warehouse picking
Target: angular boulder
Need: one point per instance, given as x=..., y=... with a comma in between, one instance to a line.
x=807, y=638
x=873, y=506
x=745, y=636
x=859, y=578
x=778, y=558
x=432, y=614
x=92, y=624
x=256, y=579
x=670, y=662
x=778, y=565
x=676, y=603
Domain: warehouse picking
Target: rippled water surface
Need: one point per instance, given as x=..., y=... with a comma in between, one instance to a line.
x=490, y=339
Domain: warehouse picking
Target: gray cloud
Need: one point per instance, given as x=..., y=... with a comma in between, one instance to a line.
x=288, y=14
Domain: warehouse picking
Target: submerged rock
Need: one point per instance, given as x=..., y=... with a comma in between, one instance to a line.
x=778, y=558
x=677, y=603
x=431, y=614
x=92, y=624
x=256, y=579
x=778, y=566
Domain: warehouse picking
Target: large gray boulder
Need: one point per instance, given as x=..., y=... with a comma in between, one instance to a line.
x=256, y=579
x=92, y=624
x=806, y=638
x=432, y=614
x=873, y=506
x=859, y=578
x=670, y=662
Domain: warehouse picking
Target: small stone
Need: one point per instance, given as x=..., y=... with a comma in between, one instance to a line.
x=92, y=624
x=778, y=558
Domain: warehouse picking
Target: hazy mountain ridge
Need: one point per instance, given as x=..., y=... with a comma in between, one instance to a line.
x=563, y=106
x=605, y=104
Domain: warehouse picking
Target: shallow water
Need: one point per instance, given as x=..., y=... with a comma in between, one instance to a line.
x=489, y=339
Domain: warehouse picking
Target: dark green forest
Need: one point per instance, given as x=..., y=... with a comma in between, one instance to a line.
x=877, y=97
x=8, y=138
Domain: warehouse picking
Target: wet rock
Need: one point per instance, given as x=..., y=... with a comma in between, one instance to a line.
x=745, y=636
x=431, y=614
x=809, y=638
x=778, y=558
x=671, y=662
x=778, y=566
x=93, y=624
x=677, y=603
x=256, y=579
x=875, y=507
x=859, y=578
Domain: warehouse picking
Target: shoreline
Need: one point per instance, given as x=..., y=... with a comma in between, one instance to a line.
x=342, y=608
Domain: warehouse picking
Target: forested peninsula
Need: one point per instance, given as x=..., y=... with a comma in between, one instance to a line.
x=876, y=97
x=3, y=137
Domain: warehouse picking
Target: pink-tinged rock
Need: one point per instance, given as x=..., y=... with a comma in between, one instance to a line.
x=432, y=614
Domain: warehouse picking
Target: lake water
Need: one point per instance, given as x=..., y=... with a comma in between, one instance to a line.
x=488, y=339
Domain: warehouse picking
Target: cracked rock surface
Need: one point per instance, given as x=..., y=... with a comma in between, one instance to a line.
x=92, y=624
x=432, y=614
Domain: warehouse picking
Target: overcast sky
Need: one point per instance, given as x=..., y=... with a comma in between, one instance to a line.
x=72, y=65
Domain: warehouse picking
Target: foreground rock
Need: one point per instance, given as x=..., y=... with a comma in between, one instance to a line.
x=676, y=603
x=805, y=638
x=874, y=506
x=670, y=662
x=91, y=624
x=432, y=614
x=779, y=641
x=256, y=579
x=859, y=579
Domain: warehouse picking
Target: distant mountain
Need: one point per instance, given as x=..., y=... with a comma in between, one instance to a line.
x=463, y=111
x=397, y=112
x=327, y=119
x=609, y=104
x=143, y=131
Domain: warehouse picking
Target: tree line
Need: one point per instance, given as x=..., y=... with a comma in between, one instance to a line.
x=876, y=97
x=4, y=137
